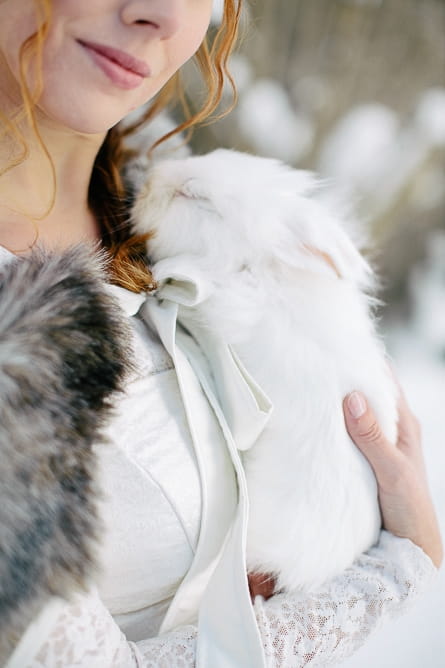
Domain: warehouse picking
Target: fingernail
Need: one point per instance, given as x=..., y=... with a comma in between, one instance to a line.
x=356, y=405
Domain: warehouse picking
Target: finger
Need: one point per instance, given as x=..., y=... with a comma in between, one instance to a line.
x=403, y=406
x=365, y=431
x=409, y=428
x=408, y=424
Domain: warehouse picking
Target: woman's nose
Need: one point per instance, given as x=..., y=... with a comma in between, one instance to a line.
x=163, y=16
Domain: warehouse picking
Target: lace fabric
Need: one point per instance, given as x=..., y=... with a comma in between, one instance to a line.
x=173, y=650
x=324, y=628
x=86, y=636
x=320, y=629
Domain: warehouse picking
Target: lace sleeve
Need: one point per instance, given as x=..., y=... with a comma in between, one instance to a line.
x=85, y=635
x=328, y=626
x=319, y=630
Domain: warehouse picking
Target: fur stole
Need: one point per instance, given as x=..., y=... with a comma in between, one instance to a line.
x=62, y=354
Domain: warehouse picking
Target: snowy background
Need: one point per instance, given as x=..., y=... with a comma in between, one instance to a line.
x=355, y=90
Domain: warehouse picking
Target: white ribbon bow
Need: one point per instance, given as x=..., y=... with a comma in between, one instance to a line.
x=226, y=412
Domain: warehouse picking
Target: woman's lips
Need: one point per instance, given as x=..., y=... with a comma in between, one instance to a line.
x=124, y=70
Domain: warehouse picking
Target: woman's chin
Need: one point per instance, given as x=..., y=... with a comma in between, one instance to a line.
x=90, y=120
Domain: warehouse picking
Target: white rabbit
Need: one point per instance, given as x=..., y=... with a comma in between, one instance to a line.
x=289, y=292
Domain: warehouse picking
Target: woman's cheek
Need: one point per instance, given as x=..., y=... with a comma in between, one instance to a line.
x=177, y=52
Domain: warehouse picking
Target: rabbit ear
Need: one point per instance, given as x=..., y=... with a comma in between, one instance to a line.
x=316, y=240
x=325, y=257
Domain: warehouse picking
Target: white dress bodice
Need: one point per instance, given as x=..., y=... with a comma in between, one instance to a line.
x=152, y=497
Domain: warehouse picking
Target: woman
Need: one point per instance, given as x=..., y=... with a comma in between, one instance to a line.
x=70, y=70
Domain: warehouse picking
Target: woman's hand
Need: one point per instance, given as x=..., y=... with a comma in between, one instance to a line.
x=405, y=500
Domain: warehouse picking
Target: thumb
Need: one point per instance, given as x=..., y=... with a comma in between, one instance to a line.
x=365, y=431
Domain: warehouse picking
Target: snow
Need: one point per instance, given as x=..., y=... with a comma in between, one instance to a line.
x=430, y=116
x=427, y=287
x=217, y=11
x=373, y=156
x=272, y=127
x=359, y=146
x=242, y=71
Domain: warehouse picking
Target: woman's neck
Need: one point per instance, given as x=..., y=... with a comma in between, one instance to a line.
x=26, y=191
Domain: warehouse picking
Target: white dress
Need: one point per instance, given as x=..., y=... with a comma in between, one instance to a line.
x=153, y=514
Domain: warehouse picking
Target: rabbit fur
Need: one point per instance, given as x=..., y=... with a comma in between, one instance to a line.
x=289, y=290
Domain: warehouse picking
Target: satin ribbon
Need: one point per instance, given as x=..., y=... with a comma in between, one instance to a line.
x=226, y=412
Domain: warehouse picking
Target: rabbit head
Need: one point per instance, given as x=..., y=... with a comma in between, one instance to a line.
x=229, y=210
